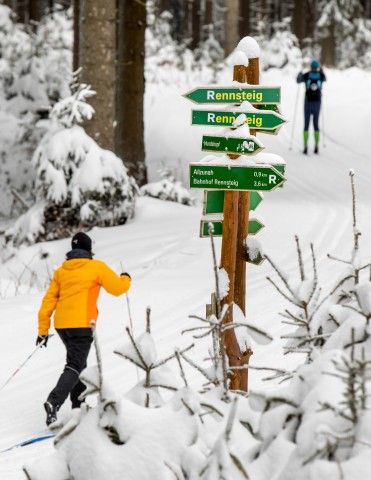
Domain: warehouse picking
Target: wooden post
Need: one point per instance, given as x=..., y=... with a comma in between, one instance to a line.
x=252, y=77
x=229, y=258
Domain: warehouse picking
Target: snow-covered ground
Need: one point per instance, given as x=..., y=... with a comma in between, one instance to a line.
x=171, y=266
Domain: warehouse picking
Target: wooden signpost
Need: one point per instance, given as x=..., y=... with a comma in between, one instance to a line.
x=232, y=190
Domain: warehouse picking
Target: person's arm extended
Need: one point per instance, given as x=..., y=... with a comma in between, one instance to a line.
x=112, y=283
x=48, y=306
x=300, y=78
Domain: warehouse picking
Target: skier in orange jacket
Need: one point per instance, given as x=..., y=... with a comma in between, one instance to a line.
x=72, y=297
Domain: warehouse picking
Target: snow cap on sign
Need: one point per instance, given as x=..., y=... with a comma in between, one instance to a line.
x=239, y=58
x=249, y=46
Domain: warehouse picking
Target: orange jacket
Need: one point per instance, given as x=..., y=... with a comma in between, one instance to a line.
x=73, y=293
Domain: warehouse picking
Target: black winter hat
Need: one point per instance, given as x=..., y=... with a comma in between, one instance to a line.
x=81, y=240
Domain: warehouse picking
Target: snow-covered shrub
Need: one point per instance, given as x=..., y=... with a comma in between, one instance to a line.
x=170, y=62
x=168, y=189
x=316, y=426
x=35, y=71
x=78, y=184
x=55, y=40
x=351, y=29
x=280, y=49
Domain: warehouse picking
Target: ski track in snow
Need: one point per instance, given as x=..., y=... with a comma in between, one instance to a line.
x=172, y=268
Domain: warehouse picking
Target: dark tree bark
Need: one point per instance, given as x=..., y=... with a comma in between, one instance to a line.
x=97, y=56
x=244, y=19
x=76, y=34
x=129, y=139
x=299, y=20
x=196, y=24
x=208, y=12
x=21, y=10
x=231, y=25
x=328, y=49
x=34, y=13
x=177, y=10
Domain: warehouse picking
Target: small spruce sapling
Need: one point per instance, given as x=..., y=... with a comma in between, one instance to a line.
x=79, y=185
x=221, y=461
x=142, y=353
x=354, y=375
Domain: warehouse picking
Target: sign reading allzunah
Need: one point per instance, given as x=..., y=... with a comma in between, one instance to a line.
x=252, y=94
x=239, y=177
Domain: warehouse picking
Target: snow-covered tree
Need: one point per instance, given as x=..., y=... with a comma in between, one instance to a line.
x=78, y=184
x=345, y=20
x=316, y=424
x=35, y=72
x=280, y=49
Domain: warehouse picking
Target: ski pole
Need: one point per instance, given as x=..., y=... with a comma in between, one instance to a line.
x=24, y=363
x=294, y=119
x=128, y=306
x=130, y=319
x=323, y=124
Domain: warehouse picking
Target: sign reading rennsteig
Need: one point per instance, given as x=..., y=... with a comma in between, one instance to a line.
x=253, y=94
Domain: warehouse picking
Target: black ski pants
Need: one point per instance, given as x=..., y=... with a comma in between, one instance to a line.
x=77, y=342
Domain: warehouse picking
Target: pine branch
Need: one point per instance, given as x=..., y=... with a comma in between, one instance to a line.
x=333, y=257
x=297, y=319
x=166, y=387
x=337, y=286
x=144, y=365
x=285, y=282
x=239, y=466
x=191, y=412
x=182, y=374
x=315, y=275
x=167, y=359
x=130, y=359
x=197, y=367
x=206, y=320
x=281, y=292
x=213, y=409
x=300, y=259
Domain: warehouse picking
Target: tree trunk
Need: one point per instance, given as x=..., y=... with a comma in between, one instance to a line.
x=97, y=54
x=76, y=34
x=21, y=9
x=299, y=21
x=328, y=49
x=129, y=139
x=34, y=12
x=244, y=19
x=196, y=24
x=231, y=25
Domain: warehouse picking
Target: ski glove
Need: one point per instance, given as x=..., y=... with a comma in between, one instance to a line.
x=125, y=273
x=40, y=338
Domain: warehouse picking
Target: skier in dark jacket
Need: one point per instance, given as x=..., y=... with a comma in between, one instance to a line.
x=72, y=297
x=312, y=105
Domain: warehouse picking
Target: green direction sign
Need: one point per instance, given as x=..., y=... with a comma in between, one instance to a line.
x=214, y=201
x=264, y=120
x=253, y=228
x=253, y=94
x=241, y=146
x=235, y=177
